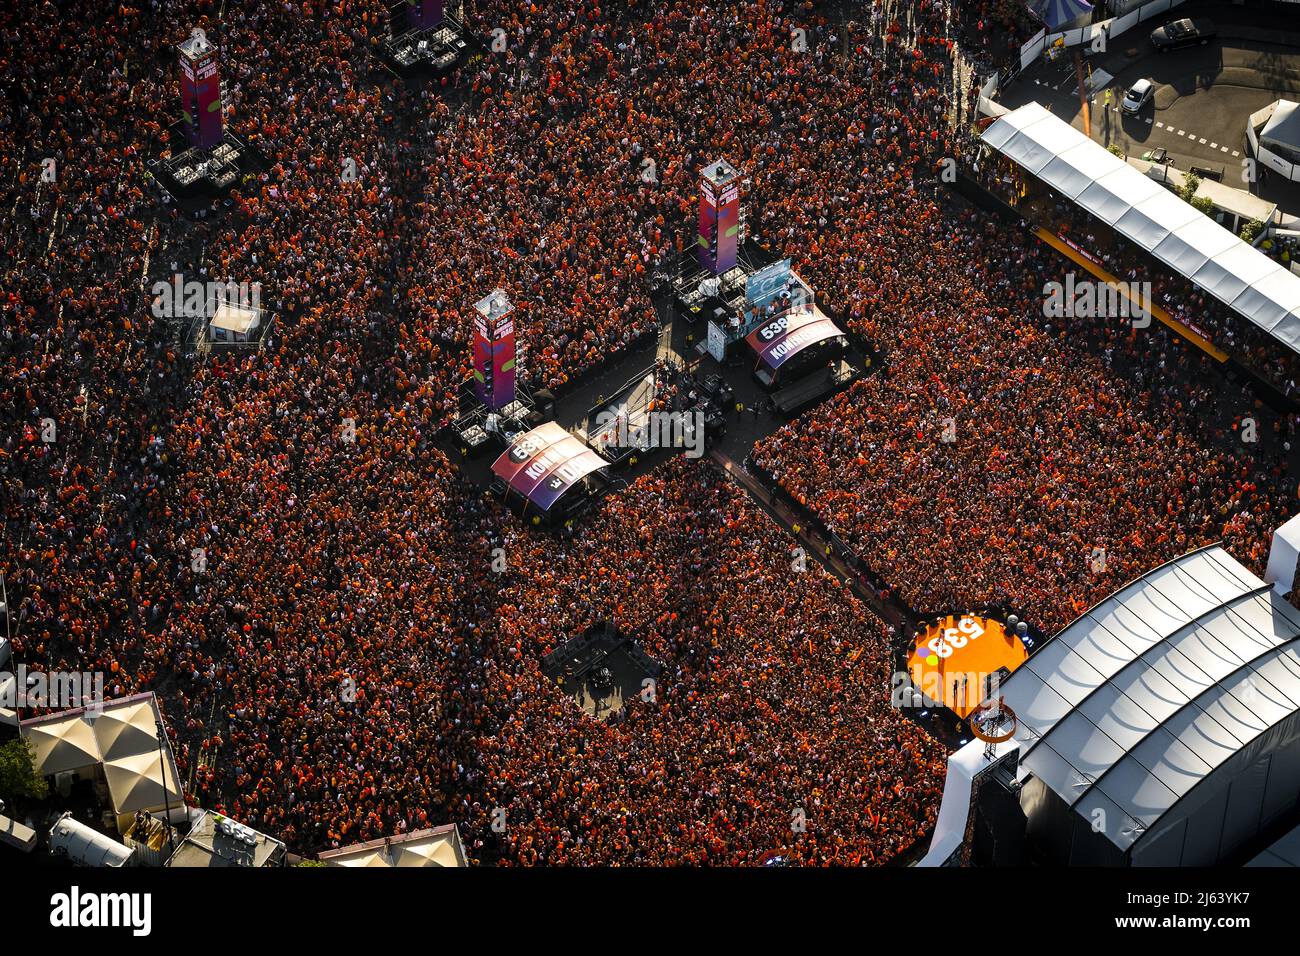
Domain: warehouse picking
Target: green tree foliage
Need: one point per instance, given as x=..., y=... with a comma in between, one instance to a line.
x=18, y=776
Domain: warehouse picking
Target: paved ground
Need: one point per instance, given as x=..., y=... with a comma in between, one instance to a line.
x=1204, y=95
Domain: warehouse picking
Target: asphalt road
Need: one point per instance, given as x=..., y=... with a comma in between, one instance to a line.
x=1203, y=100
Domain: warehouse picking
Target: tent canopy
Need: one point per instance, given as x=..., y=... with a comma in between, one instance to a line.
x=62, y=745
x=125, y=731
x=1283, y=127
x=1145, y=696
x=136, y=782
x=1057, y=13
x=1148, y=215
x=122, y=736
x=439, y=846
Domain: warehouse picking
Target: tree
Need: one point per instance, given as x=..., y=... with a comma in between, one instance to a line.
x=1204, y=203
x=18, y=776
x=1114, y=148
x=1191, y=183
x=1251, y=230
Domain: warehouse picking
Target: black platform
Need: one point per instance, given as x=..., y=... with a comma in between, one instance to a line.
x=191, y=173
x=435, y=52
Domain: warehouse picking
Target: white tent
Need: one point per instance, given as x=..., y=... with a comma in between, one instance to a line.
x=135, y=782
x=122, y=736
x=127, y=730
x=61, y=744
x=439, y=846
x=1166, y=718
x=1151, y=217
x=1284, y=556
x=1283, y=127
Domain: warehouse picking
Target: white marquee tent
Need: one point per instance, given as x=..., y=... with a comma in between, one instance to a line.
x=1165, y=720
x=435, y=847
x=1150, y=216
x=120, y=736
x=1283, y=127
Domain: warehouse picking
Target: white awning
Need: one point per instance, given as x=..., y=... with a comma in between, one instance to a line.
x=1150, y=216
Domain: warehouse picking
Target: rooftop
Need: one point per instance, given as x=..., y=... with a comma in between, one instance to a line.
x=219, y=841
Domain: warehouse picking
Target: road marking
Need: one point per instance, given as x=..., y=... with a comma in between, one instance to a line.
x=1160, y=125
x=1201, y=141
x=1180, y=132
x=1212, y=145
x=1148, y=121
x=1235, y=153
x=1223, y=149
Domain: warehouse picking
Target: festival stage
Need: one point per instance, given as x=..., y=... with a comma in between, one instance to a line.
x=604, y=671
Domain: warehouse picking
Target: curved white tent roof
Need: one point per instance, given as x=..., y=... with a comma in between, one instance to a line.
x=1145, y=696
x=1150, y=216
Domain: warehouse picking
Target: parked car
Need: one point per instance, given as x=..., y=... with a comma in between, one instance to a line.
x=1181, y=33
x=1137, y=96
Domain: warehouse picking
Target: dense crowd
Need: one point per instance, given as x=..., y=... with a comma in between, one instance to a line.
x=1003, y=457
x=274, y=543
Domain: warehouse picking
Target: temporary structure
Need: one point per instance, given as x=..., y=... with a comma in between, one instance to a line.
x=439, y=846
x=62, y=745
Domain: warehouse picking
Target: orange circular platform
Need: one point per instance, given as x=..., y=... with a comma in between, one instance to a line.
x=952, y=661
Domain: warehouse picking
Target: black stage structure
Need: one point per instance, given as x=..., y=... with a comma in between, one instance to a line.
x=604, y=671
x=436, y=52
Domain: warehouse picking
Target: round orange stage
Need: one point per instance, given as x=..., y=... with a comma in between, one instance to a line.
x=952, y=661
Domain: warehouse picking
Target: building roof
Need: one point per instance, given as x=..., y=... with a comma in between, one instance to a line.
x=212, y=842
x=1230, y=199
x=1145, y=695
x=720, y=172
x=439, y=846
x=196, y=44
x=236, y=318
x=1151, y=217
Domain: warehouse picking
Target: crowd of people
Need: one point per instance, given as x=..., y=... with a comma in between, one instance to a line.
x=1002, y=457
x=273, y=542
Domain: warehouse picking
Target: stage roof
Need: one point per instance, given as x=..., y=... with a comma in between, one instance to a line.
x=1150, y=216
x=1285, y=852
x=235, y=318
x=1149, y=693
x=776, y=342
x=544, y=463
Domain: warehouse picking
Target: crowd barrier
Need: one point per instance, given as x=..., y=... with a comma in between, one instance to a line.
x=1096, y=35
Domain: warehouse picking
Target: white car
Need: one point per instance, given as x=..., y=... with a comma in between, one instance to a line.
x=1137, y=96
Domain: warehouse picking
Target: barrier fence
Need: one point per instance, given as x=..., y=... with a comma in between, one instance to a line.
x=1095, y=35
